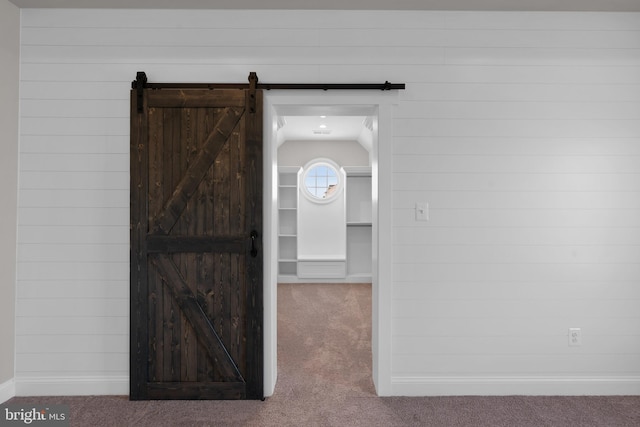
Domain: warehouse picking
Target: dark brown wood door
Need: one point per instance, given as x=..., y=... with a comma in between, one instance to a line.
x=196, y=244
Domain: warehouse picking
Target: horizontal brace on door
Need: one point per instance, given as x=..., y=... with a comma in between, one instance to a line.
x=186, y=244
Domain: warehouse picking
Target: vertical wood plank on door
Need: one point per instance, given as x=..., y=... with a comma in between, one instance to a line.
x=236, y=303
x=217, y=218
x=237, y=179
x=180, y=166
x=171, y=177
x=225, y=265
x=210, y=118
x=222, y=170
x=204, y=277
x=209, y=268
x=216, y=298
x=156, y=197
x=190, y=139
x=198, y=230
x=253, y=206
x=139, y=182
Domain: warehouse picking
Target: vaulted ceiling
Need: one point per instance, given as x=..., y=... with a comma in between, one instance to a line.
x=506, y=5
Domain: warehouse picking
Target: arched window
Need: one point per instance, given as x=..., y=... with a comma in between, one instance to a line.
x=321, y=180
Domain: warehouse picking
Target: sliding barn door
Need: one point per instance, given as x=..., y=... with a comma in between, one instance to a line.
x=196, y=233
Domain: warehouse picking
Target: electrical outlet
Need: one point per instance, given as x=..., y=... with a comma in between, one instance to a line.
x=575, y=337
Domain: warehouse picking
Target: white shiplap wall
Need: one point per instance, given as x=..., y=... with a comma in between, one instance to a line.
x=526, y=144
x=9, y=69
x=521, y=131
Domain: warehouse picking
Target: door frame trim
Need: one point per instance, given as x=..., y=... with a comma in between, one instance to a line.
x=381, y=159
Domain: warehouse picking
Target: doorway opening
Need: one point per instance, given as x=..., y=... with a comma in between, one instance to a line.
x=324, y=197
x=324, y=252
x=376, y=109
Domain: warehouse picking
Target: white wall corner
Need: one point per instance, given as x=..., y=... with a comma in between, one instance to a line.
x=7, y=390
x=270, y=241
x=72, y=386
x=10, y=22
x=508, y=386
x=382, y=243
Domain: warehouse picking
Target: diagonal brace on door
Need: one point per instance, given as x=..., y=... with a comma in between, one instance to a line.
x=188, y=303
x=164, y=222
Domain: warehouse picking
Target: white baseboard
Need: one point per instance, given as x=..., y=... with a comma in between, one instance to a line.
x=71, y=386
x=7, y=390
x=504, y=386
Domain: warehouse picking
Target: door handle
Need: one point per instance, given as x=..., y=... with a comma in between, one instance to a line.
x=254, y=249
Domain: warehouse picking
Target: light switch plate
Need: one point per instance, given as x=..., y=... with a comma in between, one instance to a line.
x=422, y=211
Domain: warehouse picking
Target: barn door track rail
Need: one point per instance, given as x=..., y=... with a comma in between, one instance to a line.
x=141, y=82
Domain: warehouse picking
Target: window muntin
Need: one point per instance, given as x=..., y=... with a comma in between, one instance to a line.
x=321, y=181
